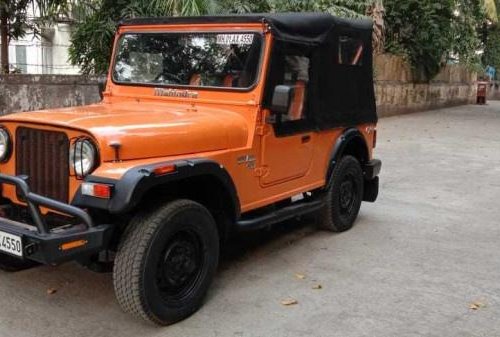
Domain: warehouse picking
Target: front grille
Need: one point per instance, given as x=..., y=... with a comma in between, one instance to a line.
x=44, y=157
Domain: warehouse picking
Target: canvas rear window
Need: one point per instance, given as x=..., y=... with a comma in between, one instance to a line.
x=351, y=51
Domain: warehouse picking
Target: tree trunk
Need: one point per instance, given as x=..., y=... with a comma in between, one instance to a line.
x=377, y=11
x=4, y=41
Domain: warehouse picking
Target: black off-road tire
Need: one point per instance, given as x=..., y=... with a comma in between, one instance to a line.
x=179, y=235
x=11, y=264
x=340, y=212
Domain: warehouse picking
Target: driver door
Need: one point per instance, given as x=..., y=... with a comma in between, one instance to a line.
x=288, y=144
x=286, y=158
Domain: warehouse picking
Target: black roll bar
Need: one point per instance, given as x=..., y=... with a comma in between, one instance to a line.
x=34, y=201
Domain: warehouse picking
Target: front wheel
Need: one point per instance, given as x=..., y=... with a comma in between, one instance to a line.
x=166, y=261
x=343, y=197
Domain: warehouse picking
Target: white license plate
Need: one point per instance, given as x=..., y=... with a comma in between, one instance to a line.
x=11, y=244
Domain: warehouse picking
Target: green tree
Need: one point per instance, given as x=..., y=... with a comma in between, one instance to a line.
x=431, y=33
x=420, y=29
x=491, y=55
x=492, y=51
x=469, y=17
x=345, y=8
x=243, y=6
x=15, y=21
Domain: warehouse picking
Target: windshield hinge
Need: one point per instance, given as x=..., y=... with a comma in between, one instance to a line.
x=261, y=130
x=266, y=27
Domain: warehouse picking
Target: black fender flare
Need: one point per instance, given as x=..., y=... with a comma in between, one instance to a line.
x=137, y=181
x=339, y=147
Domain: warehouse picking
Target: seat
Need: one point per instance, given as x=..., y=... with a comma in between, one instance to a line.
x=195, y=80
x=296, y=110
x=228, y=81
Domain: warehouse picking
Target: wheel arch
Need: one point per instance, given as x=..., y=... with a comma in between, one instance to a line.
x=351, y=142
x=205, y=189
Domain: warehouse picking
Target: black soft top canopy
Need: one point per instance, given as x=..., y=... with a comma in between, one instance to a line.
x=309, y=28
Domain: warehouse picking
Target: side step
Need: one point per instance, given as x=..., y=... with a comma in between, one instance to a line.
x=279, y=215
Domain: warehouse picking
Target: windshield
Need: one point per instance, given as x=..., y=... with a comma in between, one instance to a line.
x=228, y=60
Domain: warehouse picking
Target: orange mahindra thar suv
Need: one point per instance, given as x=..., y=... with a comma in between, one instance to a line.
x=207, y=126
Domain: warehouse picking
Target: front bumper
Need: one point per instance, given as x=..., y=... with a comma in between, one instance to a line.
x=56, y=245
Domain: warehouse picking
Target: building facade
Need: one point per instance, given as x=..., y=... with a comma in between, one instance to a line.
x=46, y=53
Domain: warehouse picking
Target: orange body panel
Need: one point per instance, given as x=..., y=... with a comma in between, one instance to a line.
x=221, y=125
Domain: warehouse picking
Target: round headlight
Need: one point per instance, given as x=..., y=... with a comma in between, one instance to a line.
x=4, y=145
x=83, y=157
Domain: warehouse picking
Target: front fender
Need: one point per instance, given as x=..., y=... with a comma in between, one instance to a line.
x=137, y=181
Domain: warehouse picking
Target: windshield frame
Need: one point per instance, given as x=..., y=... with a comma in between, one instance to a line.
x=258, y=76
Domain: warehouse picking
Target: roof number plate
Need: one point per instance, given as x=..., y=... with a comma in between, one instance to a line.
x=238, y=39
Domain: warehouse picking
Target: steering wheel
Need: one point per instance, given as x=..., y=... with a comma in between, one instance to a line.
x=167, y=76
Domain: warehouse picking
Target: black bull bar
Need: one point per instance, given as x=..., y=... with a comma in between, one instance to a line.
x=60, y=244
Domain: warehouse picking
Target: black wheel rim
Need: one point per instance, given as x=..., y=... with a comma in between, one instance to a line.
x=348, y=194
x=180, y=265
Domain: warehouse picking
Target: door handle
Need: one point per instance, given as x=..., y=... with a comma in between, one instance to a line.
x=306, y=139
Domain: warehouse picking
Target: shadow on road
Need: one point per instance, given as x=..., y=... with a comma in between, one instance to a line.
x=277, y=237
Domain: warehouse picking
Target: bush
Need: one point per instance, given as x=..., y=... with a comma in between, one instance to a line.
x=432, y=33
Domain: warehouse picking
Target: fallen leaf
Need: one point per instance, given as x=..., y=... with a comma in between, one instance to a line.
x=476, y=305
x=317, y=286
x=51, y=291
x=300, y=276
x=289, y=301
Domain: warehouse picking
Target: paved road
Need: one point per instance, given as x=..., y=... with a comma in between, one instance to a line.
x=413, y=265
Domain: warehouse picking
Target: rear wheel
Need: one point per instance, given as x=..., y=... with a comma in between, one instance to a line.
x=166, y=262
x=344, y=196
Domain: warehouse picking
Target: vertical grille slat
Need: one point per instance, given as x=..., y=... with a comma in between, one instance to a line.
x=44, y=157
x=37, y=163
x=53, y=173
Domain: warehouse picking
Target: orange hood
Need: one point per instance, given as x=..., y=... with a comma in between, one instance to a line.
x=147, y=130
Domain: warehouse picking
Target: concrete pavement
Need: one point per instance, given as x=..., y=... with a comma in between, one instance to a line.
x=415, y=263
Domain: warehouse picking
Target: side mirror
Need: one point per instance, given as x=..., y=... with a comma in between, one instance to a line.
x=282, y=97
x=101, y=85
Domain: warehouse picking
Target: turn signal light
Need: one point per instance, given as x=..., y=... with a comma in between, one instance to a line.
x=97, y=190
x=162, y=170
x=73, y=244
